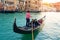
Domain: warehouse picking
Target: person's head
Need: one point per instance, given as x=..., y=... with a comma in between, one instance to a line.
x=28, y=11
x=32, y=19
x=35, y=19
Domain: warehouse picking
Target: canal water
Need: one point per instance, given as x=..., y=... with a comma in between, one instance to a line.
x=50, y=31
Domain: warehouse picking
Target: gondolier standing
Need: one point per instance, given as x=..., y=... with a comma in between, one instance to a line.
x=28, y=18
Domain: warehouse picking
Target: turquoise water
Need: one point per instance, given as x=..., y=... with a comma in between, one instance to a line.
x=50, y=31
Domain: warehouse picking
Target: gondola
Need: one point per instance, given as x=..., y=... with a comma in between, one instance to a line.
x=24, y=29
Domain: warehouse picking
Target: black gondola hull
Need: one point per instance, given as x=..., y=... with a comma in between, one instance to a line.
x=17, y=29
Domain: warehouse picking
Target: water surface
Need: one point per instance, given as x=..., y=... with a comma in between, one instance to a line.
x=50, y=31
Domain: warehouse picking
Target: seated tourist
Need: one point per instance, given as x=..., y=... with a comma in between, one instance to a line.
x=34, y=23
x=40, y=21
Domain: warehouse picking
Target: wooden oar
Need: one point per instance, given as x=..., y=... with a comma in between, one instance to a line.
x=33, y=29
x=32, y=32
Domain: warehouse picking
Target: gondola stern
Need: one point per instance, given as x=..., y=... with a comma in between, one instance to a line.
x=14, y=25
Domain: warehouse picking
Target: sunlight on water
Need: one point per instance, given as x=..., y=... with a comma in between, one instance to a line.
x=51, y=30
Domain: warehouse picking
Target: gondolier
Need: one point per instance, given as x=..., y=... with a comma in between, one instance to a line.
x=28, y=18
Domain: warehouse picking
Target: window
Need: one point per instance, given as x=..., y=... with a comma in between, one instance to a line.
x=26, y=2
x=5, y=1
x=29, y=5
x=36, y=7
x=29, y=1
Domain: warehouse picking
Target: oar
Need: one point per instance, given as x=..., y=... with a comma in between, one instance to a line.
x=32, y=32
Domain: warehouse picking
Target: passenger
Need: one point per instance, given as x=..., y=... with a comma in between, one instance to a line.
x=40, y=21
x=36, y=23
x=31, y=23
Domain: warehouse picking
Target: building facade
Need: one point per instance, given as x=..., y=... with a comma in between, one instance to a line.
x=46, y=7
x=32, y=5
x=57, y=6
x=2, y=1
x=21, y=6
x=10, y=5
